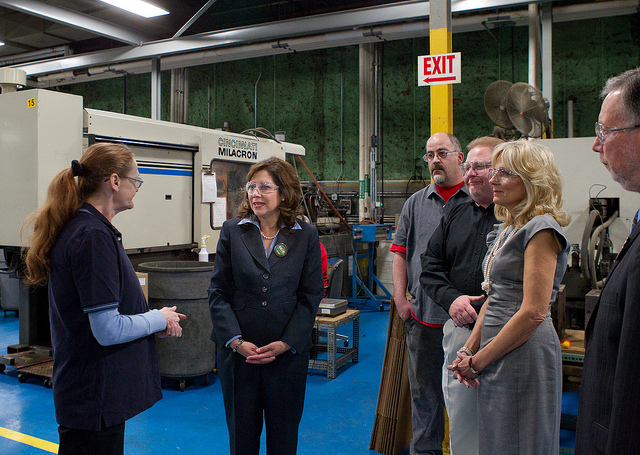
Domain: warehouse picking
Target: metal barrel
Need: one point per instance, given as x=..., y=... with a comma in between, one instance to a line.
x=183, y=284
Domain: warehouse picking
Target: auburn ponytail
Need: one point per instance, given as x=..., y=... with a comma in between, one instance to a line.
x=64, y=198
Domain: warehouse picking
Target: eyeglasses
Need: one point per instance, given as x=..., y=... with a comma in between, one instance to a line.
x=502, y=173
x=604, y=132
x=263, y=187
x=442, y=154
x=137, y=182
x=479, y=167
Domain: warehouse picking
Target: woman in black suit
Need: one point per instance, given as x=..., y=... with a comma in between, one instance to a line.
x=264, y=295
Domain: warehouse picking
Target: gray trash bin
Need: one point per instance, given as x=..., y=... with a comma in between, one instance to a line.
x=183, y=284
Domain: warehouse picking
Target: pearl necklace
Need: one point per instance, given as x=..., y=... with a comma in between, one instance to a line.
x=486, y=284
x=266, y=237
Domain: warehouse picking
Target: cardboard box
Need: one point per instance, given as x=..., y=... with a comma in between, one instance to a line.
x=144, y=283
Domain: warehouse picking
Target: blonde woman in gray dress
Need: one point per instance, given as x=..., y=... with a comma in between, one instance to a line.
x=513, y=354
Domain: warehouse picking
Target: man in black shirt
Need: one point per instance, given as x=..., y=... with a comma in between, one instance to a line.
x=452, y=277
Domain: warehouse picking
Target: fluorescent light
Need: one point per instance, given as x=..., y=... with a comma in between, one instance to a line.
x=138, y=7
x=1, y=43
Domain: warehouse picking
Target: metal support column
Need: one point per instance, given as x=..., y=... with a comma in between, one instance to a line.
x=440, y=43
x=366, y=128
x=156, y=89
x=547, y=56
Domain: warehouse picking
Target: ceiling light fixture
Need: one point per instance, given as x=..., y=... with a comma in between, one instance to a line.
x=1, y=43
x=138, y=7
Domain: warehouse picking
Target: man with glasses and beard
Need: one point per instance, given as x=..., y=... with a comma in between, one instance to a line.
x=424, y=318
x=452, y=277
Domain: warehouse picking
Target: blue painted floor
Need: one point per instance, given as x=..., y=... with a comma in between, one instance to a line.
x=338, y=416
x=337, y=420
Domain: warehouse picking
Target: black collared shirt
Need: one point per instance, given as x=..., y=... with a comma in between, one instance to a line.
x=452, y=263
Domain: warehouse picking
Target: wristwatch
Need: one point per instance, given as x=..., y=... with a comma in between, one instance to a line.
x=240, y=341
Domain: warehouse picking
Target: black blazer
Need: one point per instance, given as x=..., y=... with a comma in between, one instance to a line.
x=266, y=299
x=610, y=391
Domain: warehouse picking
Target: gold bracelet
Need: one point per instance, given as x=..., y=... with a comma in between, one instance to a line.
x=466, y=350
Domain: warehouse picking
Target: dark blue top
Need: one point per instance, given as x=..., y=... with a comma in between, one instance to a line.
x=266, y=299
x=94, y=386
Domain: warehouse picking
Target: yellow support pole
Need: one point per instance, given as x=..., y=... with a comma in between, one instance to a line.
x=441, y=95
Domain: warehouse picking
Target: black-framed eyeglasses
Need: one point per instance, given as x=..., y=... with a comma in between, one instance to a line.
x=604, y=132
x=479, y=167
x=442, y=154
x=137, y=182
x=502, y=173
x=263, y=187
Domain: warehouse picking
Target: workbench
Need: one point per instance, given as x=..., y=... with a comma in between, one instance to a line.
x=337, y=356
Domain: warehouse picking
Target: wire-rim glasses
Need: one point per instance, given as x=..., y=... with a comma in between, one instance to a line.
x=136, y=181
x=442, y=154
x=604, y=132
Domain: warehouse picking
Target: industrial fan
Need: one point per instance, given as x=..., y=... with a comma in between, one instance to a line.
x=495, y=103
x=527, y=109
x=514, y=108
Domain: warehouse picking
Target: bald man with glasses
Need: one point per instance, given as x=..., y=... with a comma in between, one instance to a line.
x=423, y=318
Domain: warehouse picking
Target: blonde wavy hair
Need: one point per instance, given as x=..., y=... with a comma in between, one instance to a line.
x=542, y=180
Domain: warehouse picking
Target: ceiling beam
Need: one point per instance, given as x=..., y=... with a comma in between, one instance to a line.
x=195, y=17
x=408, y=20
x=398, y=12
x=74, y=19
x=39, y=54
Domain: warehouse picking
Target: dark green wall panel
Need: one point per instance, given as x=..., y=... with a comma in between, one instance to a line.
x=486, y=57
x=405, y=110
x=585, y=55
x=314, y=96
x=129, y=94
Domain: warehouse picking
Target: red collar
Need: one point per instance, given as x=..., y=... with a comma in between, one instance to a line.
x=446, y=193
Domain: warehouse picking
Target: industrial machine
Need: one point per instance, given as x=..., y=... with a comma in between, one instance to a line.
x=597, y=248
x=590, y=261
x=601, y=214
x=42, y=131
x=343, y=195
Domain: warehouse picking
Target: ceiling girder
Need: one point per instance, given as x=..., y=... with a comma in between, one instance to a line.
x=406, y=15
x=73, y=18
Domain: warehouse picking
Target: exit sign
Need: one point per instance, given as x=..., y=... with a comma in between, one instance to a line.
x=439, y=69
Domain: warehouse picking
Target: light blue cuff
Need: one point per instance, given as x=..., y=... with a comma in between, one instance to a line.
x=231, y=340
x=109, y=327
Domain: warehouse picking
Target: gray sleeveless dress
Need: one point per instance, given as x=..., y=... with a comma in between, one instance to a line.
x=520, y=394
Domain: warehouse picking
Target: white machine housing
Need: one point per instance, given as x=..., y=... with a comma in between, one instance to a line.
x=584, y=176
x=41, y=131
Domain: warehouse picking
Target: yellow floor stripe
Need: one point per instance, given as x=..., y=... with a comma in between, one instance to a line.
x=29, y=440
